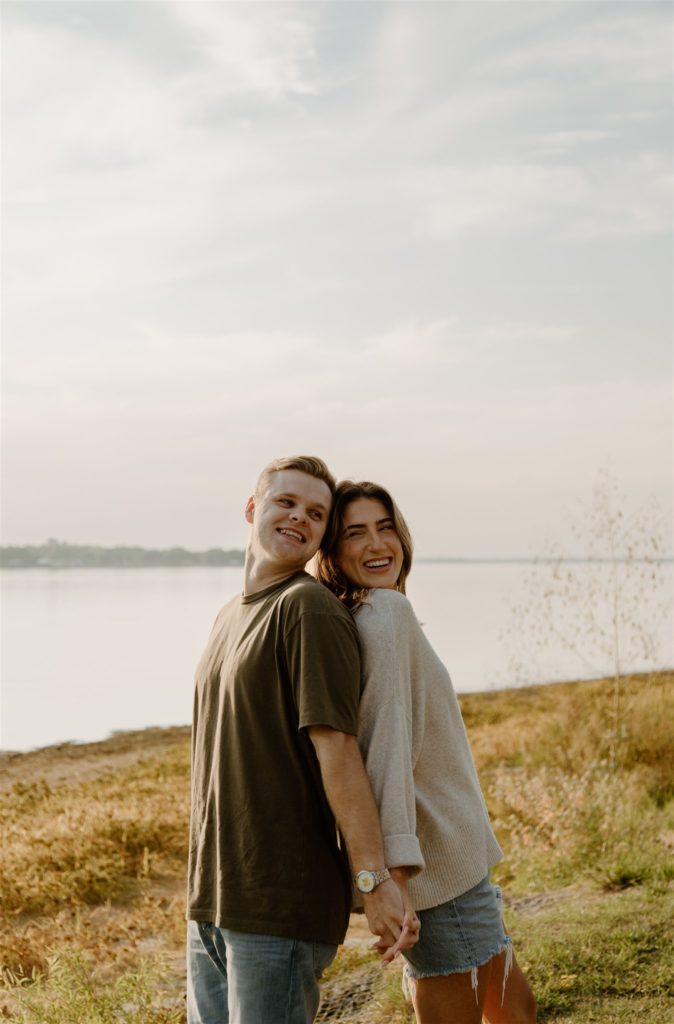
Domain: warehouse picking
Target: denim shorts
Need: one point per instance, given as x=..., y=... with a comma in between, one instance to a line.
x=460, y=935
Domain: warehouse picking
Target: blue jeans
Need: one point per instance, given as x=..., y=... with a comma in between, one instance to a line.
x=243, y=978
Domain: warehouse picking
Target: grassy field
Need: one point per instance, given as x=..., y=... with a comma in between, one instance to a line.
x=92, y=866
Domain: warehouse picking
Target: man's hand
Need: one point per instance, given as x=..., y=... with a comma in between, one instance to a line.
x=389, y=917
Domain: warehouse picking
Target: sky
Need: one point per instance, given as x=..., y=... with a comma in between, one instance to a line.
x=429, y=242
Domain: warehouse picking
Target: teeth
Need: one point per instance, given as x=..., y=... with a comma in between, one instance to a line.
x=379, y=564
x=292, y=533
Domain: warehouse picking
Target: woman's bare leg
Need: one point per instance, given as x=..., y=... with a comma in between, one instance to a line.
x=517, y=1005
x=450, y=998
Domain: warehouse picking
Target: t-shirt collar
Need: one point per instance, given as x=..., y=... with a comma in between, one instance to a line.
x=260, y=594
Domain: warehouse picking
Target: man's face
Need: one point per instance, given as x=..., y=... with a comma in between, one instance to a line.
x=289, y=519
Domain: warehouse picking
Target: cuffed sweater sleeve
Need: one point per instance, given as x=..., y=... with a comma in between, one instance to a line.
x=386, y=730
x=418, y=758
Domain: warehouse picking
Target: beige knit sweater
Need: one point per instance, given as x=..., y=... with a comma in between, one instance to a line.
x=417, y=756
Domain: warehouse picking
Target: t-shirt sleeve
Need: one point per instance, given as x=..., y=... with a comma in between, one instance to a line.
x=324, y=668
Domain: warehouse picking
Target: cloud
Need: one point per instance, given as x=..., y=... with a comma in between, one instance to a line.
x=166, y=375
x=618, y=198
x=120, y=169
x=564, y=141
x=236, y=226
x=264, y=50
x=626, y=198
x=410, y=346
x=628, y=42
x=493, y=198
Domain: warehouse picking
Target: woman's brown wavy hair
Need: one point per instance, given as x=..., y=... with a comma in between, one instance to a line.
x=327, y=570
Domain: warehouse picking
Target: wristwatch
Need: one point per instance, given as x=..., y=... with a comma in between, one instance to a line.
x=367, y=881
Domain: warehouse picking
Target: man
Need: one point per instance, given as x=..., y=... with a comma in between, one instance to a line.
x=275, y=766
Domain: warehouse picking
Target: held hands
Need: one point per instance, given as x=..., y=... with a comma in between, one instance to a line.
x=407, y=938
x=392, y=918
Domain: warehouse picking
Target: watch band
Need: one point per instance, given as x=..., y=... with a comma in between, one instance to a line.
x=367, y=881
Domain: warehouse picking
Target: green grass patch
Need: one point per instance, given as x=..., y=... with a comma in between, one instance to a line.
x=611, y=950
x=603, y=957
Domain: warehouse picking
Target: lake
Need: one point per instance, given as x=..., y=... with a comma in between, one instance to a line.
x=86, y=652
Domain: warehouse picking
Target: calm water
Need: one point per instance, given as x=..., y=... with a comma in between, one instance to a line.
x=88, y=651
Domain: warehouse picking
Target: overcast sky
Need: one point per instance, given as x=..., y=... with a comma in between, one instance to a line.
x=430, y=242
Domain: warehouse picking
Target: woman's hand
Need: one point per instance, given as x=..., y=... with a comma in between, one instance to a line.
x=410, y=926
x=407, y=938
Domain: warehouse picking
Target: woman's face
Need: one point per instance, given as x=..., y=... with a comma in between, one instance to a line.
x=369, y=552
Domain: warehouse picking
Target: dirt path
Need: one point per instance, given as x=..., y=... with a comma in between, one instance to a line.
x=75, y=762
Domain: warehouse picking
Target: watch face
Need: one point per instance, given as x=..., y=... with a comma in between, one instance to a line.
x=365, y=881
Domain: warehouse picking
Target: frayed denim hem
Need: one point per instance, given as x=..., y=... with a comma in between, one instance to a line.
x=409, y=978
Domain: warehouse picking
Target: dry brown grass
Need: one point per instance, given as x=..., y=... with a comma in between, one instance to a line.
x=93, y=862
x=96, y=864
x=569, y=801
x=571, y=724
x=91, y=842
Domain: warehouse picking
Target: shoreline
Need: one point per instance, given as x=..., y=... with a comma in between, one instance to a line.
x=72, y=760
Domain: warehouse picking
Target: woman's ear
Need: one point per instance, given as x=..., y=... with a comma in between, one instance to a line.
x=250, y=509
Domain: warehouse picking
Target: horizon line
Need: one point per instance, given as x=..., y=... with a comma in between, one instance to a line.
x=422, y=559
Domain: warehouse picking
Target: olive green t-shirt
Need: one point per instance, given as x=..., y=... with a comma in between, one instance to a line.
x=264, y=855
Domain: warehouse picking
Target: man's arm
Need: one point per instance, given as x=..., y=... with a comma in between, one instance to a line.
x=348, y=791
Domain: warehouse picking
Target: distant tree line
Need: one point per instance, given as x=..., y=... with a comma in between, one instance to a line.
x=56, y=554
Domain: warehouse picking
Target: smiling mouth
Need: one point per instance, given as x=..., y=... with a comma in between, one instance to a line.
x=292, y=533
x=378, y=563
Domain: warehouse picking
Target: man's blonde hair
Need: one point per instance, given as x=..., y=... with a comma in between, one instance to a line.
x=309, y=464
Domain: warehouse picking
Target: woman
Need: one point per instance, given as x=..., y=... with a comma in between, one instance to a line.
x=438, y=840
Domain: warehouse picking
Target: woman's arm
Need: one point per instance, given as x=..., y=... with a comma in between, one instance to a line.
x=385, y=736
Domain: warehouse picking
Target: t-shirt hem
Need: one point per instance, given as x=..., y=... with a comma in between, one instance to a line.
x=280, y=929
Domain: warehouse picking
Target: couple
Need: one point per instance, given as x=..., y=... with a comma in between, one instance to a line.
x=321, y=711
